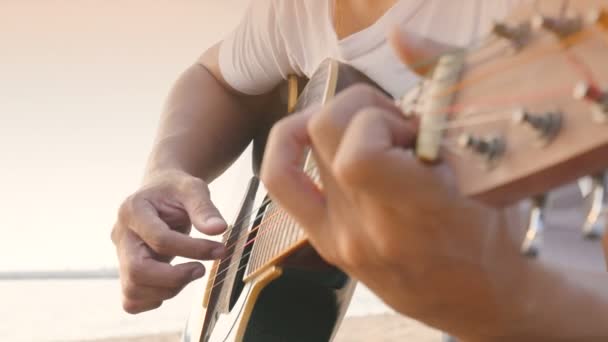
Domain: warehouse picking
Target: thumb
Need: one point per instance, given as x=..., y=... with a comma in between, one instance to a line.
x=203, y=214
x=418, y=53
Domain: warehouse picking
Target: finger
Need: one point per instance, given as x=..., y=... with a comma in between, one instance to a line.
x=283, y=175
x=138, y=306
x=196, y=199
x=418, y=53
x=167, y=242
x=135, y=292
x=140, y=269
x=373, y=156
x=328, y=125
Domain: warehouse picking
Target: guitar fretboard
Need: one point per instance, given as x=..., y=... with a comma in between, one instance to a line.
x=278, y=233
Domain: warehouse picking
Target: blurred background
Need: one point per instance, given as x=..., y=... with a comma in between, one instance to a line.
x=82, y=84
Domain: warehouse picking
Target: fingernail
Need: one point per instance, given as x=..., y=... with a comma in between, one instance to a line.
x=218, y=252
x=215, y=221
x=198, y=272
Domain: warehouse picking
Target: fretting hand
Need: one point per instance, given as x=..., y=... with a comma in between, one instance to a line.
x=397, y=225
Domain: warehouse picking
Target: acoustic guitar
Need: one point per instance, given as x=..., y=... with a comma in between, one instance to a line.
x=515, y=115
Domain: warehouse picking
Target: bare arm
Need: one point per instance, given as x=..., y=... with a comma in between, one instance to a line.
x=205, y=124
x=561, y=305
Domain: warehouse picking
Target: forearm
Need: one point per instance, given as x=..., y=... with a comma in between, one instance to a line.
x=204, y=126
x=502, y=296
x=562, y=305
x=547, y=303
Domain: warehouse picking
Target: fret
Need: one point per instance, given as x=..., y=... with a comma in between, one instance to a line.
x=285, y=238
x=267, y=234
x=261, y=237
x=272, y=236
x=282, y=233
x=255, y=259
x=278, y=245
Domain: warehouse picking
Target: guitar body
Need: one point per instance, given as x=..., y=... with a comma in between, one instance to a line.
x=292, y=295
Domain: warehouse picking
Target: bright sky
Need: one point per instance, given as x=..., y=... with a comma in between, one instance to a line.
x=81, y=88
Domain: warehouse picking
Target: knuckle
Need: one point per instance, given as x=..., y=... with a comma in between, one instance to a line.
x=269, y=177
x=130, y=290
x=135, y=272
x=387, y=248
x=196, y=184
x=189, y=185
x=125, y=209
x=318, y=123
x=115, y=234
x=349, y=253
x=351, y=169
x=158, y=241
x=129, y=208
x=278, y=130
x=272, y=177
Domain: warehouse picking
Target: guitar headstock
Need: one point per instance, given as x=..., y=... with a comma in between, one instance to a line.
x=527, y=109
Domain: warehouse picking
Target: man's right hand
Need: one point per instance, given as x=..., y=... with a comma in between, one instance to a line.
x=152, y=228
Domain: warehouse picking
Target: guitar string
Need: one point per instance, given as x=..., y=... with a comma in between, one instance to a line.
x=553, y=46
x=268, y=201
x=572, y=40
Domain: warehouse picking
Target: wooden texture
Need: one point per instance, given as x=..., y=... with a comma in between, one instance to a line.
x=539, y=77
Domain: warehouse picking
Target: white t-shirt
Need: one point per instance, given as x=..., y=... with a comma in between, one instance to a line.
x=281, y=37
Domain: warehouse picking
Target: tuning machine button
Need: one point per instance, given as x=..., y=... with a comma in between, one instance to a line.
x=595, y=222
x=490, y=149
x=547, y=125
x=598, y=17
x=594, y=95
x=536, y=225
x=561, y=27
x=516, y=34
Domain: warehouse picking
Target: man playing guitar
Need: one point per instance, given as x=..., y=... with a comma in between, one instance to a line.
x=388, y=235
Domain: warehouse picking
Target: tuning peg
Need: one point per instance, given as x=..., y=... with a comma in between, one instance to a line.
x=547, y=125
x=596, y=96
x=516, y=34
x=595, y=223
x=536, y=225
x=598, y=16
x=585, y=185
x=490, y=148
x=559, y=26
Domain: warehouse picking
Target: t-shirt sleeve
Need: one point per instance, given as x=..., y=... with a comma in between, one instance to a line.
x=253, y=59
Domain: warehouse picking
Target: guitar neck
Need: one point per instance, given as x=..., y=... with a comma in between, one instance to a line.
x=277, y=234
